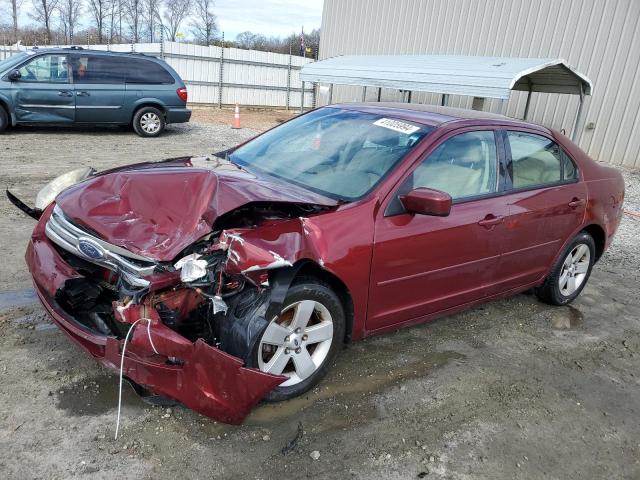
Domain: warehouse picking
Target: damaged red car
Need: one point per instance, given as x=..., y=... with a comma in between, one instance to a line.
x=223, y=280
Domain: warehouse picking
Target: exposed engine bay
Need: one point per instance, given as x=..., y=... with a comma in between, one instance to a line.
x=219, y=291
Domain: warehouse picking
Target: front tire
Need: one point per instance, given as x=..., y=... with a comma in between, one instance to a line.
x=570, y=272
x=149, y=122
x=4, y=119
x=301, y=342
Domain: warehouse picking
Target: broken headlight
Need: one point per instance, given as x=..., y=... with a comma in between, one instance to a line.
x=49, y=193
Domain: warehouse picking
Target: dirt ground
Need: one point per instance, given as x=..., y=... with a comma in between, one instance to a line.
x=511, y=389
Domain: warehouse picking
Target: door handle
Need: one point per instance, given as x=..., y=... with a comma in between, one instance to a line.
x=82, y=94
x=491, y=221
x=65, y=93
x=577, y=202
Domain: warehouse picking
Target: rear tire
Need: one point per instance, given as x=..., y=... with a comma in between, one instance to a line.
x=318, y=339
x=149, y=122
x=570, y=272
x=4, y=119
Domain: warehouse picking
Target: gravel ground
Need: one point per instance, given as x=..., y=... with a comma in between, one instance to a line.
x=511, y=389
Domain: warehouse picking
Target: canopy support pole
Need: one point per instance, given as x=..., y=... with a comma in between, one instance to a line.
x=409, y=96
x=444, y=100
x=330, y=94
x=364, y=93
x=302, y=99
x=576, y=125
x=526, y=105
x=379, y=93
x=528, y=102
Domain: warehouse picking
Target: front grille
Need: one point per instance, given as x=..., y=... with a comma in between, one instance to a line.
x=70, y=237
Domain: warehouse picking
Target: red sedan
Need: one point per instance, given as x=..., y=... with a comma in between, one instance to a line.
x=223, y=280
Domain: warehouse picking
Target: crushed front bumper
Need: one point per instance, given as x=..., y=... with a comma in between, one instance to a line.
x=198, y=375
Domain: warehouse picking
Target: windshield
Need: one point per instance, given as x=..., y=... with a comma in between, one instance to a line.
x=339, y=153
x=15, y=59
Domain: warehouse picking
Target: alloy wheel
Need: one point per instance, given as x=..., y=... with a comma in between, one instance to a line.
x=574, y=269
x=297, y=342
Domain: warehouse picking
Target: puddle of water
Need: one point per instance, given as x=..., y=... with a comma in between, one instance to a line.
x=567, y=318
x=17, y=298
x=99, y=396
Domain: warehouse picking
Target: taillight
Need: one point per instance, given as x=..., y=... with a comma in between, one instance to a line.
x=182, y=93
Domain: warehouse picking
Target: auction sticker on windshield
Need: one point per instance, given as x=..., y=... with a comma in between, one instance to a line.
x=396, y=125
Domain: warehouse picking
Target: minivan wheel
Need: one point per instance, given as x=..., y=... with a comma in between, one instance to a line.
x=302, y=342
x=570, y=272
x=148, y=122
x=4, y=119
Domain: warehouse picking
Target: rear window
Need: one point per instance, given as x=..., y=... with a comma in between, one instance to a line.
x=146, y=72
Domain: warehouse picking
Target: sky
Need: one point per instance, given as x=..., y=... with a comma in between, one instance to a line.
x=269, y=17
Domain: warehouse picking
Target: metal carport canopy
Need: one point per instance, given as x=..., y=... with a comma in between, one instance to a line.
x=492, y=77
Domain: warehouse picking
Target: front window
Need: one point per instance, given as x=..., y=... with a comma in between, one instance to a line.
x=46, y=69
x=339, y=153
x=462, y=166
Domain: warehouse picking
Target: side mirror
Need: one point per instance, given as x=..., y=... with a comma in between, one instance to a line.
x=14, y=76
x=425, y=201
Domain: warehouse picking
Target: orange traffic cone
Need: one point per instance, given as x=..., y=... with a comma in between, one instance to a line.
x=236, y=118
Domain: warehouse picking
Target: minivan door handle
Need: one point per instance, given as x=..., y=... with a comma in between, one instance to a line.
x=577, y=202
x=65, y=93
x=82, y=94
x=491, y=221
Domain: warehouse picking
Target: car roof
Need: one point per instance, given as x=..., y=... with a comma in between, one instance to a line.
x=82, y=50
x=432, y=115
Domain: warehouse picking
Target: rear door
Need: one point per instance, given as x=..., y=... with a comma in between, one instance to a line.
x=44, y=94
x=425, y=264
x=99, y=88
x=546, y=205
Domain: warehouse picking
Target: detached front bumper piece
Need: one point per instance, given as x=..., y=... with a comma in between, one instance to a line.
x=196, y=374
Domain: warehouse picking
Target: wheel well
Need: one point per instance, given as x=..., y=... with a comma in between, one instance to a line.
x=313, y=269
x=149, y=104
x=599, y=238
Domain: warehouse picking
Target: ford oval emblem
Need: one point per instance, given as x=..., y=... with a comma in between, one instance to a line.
x=90, y=249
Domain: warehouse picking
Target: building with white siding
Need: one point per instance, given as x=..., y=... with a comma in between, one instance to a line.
x=600, y=38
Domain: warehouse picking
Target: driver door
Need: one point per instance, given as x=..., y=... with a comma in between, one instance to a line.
x=44, y=93
x=424, y=264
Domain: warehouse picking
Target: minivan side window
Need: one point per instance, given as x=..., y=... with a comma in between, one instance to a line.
x=45, y=69
x=537, y=161
x=97, y=69
x=146, y=72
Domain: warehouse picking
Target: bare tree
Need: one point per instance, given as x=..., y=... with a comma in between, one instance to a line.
x=176, y=11
x=251, y=41
x=134, y=16
x=99, y=10
x=69, y=12
x=204, y=26
x=43, y=14
x=15, y=13
x=151, y=16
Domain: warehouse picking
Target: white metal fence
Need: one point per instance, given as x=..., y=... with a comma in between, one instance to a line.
x=225, y=76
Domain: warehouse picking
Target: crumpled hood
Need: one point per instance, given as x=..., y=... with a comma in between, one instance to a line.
x=157, y=210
